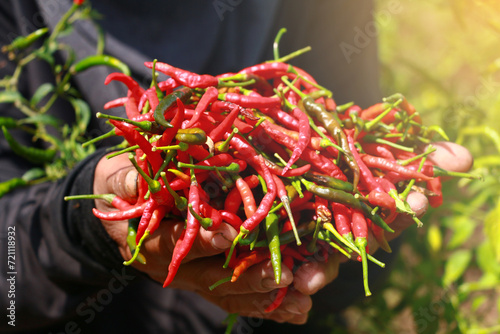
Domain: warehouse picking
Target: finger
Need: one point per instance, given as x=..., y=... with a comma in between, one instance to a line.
x=207, y=243
x=116, y=176
x=451, y=156
x=419, y=204
x=313, y=276
x=294, y=307
x=259, y=278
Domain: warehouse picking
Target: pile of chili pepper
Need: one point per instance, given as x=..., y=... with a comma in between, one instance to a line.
x=269, y=152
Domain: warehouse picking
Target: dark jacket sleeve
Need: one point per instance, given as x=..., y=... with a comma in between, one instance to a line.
x=54, y=253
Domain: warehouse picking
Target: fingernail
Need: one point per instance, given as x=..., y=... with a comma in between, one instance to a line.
x=270, y=283
x=293, y=309
x=131, y=183
x=220, y=241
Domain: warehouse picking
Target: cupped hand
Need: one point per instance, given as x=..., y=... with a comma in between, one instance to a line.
x=449, y=156
x=203, y=266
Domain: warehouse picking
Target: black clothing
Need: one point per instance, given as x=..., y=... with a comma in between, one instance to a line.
x=69, y=277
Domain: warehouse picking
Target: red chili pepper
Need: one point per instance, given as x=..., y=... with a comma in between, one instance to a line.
x=145, y=117
x=246, y=195
x=231, y=218
x=233, y=199
x=120, y=203
x=367, y=178
x=287, y=261
x=186, y=78
x=169, y=133
x=320, y=162
x=322, y=210
x=342, y=218
x=267, y=201
x=188, y=236
x=206, y=210
x=156, y=218
x=225, y=126
x=268, y=70
x=245, y=262
x=382, y=199
x=251, y=101
x=135, y=138
x=277, y=170
x=434, y=185
x=360, y=231
x=210, y=96
x=388, y=165
x=379, y=150
x=119, y=102
x=135, y=90
x=379, y=234
x=304, y=137
x=133, y=212
x=152, y=98
x=282, y=117
x=151, y=206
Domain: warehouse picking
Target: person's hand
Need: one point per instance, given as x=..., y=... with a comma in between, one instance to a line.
x=203, y=266
x=449, y=156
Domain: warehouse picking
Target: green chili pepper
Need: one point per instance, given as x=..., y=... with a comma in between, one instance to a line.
x=273, y=240
x=250, y=238
x=193, y=136
x=22, y=42
x=146, y=126
x=9, y=185
x=332, y=125
x=167, y=102
x=8, y=122
x=96, y=60
x=289, y=236
x=328, y=181
x=339, y=196
x=32, y=154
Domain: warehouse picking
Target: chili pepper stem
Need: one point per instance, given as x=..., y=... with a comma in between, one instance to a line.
x=220, y=282
x=311, y=246
x=125, y=150
x=181, y=146
x=276, y=42
x=350, y=244
x=428, y=151
x=292, y=55
x=361, y=243
x=231, y=250
x=206, y=223
x=224, y=146
x=233, y=167
x=180, y=202
x=107, y=197
x=288, y=209
x=438, y=171
x=137, y=249
x=101, y=137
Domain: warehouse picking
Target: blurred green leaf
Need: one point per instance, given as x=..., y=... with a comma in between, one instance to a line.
x=435, y=238
x=40, y=93
x=486, y=260
x=456, y=265
x=463, y=228
x=42, y=119
x=478, y=301
x=492, y=229
x=8, y=96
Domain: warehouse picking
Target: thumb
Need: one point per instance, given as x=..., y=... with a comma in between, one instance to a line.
x=116, y=176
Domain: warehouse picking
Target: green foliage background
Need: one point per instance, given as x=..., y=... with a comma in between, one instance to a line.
x=444, y=55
